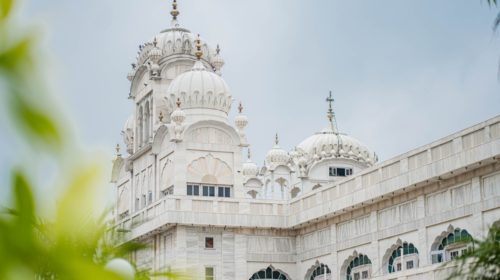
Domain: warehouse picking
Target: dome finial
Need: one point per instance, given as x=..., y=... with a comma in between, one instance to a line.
x=174, y=11
x=198, y=52
x=248, y=153
x=240, y=108
x=331, y=114
x=276, y=139
x=178, y=103
x=117, y=148
x=217, y=50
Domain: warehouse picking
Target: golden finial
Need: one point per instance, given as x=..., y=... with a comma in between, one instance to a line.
x=178, y=103
x=160, y=116
x=240, y=108
x=198, y=52
x=174, y=11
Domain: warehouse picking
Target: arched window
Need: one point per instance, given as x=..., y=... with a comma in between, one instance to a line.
x=403, y=257
x=140, y=134
x=269, y=273
x=321, y=272
x=147, y=122
x=359, y=268
x=452, y=245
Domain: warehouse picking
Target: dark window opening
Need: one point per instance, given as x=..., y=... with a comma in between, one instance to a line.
x=193, y=190
x=209, y=242
x=340, y=171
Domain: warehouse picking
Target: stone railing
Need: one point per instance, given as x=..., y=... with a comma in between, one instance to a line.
x=207, y=211
x=469, y=148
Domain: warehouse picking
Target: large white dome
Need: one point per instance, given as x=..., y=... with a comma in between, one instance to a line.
x=328, y=143
x=200, y=89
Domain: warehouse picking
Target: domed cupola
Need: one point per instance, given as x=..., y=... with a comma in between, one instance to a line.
x=276, y=156
x=201, y=92
x=217, y=61
x=173, y=41
x=250, y=169
x=330, y=143
x=131, y=74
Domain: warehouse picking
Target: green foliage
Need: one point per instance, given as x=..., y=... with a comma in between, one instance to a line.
x=496, y=23
x=74, y=242
x=482, y=261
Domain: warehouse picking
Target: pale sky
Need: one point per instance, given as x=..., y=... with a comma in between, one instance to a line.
x=403, y=73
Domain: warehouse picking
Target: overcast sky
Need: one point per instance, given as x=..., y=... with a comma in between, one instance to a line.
x=403, y=73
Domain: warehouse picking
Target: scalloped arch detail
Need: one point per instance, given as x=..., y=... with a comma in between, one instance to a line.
x=209, y=170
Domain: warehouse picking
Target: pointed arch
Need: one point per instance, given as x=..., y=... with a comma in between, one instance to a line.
x=318, y=271
x=159, y=137
x=393, y=257
x=450, y=244
x=270, y=273
x=356, y=263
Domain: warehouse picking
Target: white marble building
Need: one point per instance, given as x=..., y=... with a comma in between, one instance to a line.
x=325, y=210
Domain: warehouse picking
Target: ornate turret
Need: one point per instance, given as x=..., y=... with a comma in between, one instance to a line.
x=276, y=156
x=250, y=169
x=217, y=61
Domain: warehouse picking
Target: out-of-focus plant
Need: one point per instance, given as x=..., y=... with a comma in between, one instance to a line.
x=481, y=261
x=496, y=23
x=74, y=242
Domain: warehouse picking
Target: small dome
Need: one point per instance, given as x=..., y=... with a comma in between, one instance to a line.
x=155, y=53
x=277, y=156
x=200, y=89
x=328, y=143
x=241, y=121
x=178, y=116
x=131, y=74
x=217, y=60
x=250, y=169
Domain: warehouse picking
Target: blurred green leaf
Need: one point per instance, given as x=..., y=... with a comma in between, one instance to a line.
x=17, y=57
x=25, y=206
x=5, y=8
x=34, y=121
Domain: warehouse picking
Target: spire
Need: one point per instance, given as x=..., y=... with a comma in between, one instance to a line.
x=198, y=52
x=117, y=148
x=174, y=11
x=331, y=114
x=240, y=108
